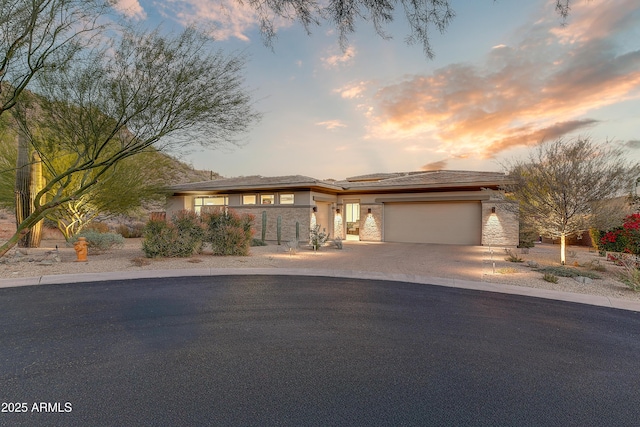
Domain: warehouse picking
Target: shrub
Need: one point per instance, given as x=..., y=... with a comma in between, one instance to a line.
x=163, y=239
x=630, y=275
x=98, y=227
x=512, y=257
x=596, y=235
x=562, y=271
x=99, y=242
x=130, y=231
x=317, y=238
x=228, y=232
x=548, y=277
x=258, y=242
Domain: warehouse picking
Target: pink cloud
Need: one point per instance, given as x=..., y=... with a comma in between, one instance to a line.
x=540, y=87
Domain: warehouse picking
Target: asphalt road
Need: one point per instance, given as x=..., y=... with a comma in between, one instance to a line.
x=300, y=351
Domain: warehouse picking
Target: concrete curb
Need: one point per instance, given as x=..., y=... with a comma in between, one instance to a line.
x=350, y=274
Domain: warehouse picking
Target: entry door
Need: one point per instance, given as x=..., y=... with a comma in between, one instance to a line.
x=352, y=218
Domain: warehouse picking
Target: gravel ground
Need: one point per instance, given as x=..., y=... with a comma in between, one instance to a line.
x=459, y=262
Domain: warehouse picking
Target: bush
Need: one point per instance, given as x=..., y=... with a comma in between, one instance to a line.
x=317, y=238
x=548, y=277
x=568, y=272
x=227, y=232
x=164, y=239
x=512, y=257
x=99, y=242
x=98, y=227
x=630, y=275
x=130, y=231
x=258, y=242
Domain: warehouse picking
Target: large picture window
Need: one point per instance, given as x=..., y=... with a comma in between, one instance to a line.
x=249, y=199
x=204, y=203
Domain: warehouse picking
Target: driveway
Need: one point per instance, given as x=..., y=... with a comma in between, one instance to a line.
x=260, y=350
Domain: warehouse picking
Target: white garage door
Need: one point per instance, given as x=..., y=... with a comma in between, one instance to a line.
x=456, y=223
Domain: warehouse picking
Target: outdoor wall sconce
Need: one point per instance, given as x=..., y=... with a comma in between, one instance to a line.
x=314, y=209
x=369, y=210
x=338, y=210
x=493, y=209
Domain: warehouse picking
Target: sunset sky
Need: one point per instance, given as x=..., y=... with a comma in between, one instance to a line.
x=506, y=76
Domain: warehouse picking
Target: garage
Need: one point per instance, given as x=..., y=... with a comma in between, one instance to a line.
x=454, y=223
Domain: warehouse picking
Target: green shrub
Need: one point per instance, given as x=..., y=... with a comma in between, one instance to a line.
x=227, y=232
x=567, y=272
x=630, y=275
x=99, y=242
x=548, y=277
x=258, y=242
x=164, y=239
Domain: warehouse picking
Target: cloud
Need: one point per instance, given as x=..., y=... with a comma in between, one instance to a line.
x=633, y=144
x=336, y=60
x=435, y=166
x=130, y=8
x=332, y=124
x=227, y=18
x=548, y=83
x=352, y=91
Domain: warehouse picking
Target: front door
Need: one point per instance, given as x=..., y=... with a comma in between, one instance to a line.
x=352, y=218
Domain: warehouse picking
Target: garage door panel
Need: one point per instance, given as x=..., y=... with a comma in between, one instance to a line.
x=448, y=223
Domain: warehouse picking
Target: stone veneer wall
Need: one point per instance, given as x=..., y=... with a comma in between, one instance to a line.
x=371, y=224
x=289, y=216
x=501, y=228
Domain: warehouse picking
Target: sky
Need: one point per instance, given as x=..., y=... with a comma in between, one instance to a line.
x=507, y=76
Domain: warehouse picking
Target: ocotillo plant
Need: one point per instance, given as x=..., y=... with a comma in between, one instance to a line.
x=264, y=225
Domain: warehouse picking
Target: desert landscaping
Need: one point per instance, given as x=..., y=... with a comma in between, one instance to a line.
x=477, y=263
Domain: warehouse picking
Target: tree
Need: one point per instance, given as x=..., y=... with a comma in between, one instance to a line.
x=421, y=15
x=36, y=35
x=144, y=91
x=563, y=185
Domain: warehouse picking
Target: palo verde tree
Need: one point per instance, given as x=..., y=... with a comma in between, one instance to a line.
x=564, y=185
x=37, y=35
x=145, y=90
x=421, y=16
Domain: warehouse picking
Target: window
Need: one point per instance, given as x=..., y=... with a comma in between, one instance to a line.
x=204, y=203
x=286, y=199
x=267, y=199
x=249, y=199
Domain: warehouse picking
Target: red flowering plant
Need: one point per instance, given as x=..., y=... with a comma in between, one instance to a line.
x=625, y=238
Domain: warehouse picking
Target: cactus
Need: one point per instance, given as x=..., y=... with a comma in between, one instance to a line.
x=279, y=228
x=264, y=225
x=297, y=231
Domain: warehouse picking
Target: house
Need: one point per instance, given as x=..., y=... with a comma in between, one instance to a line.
x=449, y=207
